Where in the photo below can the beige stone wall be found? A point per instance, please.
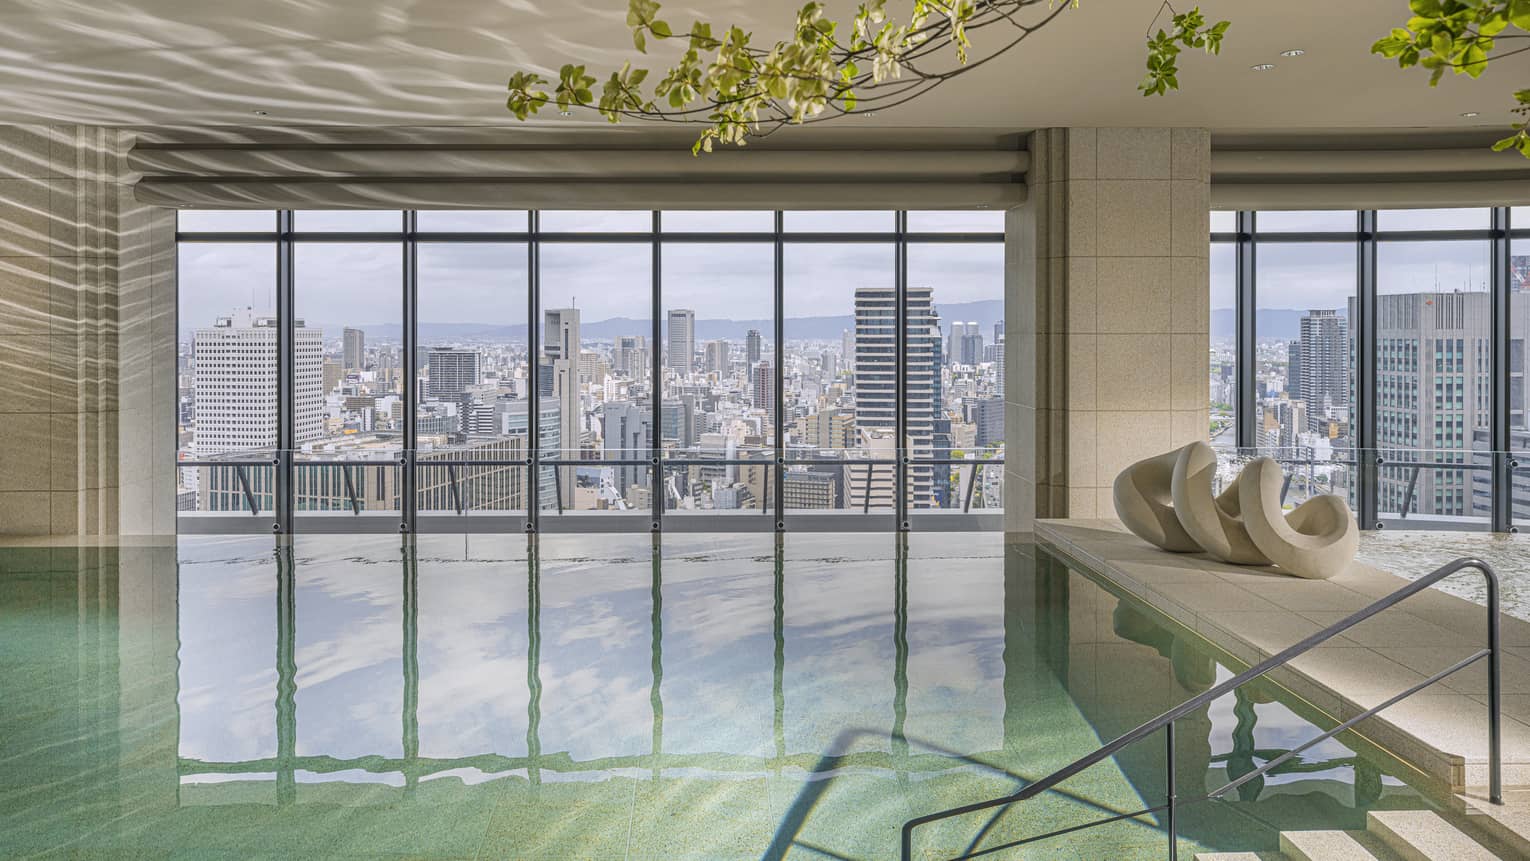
(1107, 288)
(68, 232)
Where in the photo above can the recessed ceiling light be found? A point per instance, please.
(1470, 114)
(565, 113)
(259, 113)
(1294, 52)
(1263, 67)
(868, 113)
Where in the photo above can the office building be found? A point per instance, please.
(680, 346)
(353, 349)
(452, 373)
(235, 384)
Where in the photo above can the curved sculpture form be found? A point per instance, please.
(1214, 522)
(1145, 504)
(1316, 540)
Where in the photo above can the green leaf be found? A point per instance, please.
(660, 29)
(1519, 13)
(1427, 8)
(1474, 62)
(1504, 144)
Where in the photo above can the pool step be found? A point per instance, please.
(1507, 823)
(1390, 835)
(1333, 846)
(1422, 835)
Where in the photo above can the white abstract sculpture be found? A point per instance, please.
(1316, 540)
(1144, 504)
(1215, 522)
(1167, 501)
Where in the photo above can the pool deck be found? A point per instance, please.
(1251, 613)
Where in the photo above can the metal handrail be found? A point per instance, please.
(1166, 720)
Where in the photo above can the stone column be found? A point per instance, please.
(67, 236)
(1107, 293)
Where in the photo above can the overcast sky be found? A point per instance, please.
(359, 284)
(1322, 275)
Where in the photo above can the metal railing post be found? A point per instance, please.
(1172, 826)
(1495, 695)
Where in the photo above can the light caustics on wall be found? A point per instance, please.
(352, 366)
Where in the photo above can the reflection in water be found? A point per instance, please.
(724, 696)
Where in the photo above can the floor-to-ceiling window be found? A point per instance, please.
(1377, 357)
(441, 370)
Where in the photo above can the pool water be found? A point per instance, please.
(724, 696)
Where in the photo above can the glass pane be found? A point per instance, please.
(226, 354)
(349, 220)
(597, 314)
(579, 221)
(717, 221)
(349, 365)
(1434, 219)
(841, 367)
(1276, 221)
(720, 488)
(850, 221)
(956, 221)
(470, 220)
(1519, 328)
(1433, 379)
(1223, 221)
(241, 220)
(1305, 372)
(955, 361)
(1224, 344)
(475, 379)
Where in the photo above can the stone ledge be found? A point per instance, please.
(1251, 613)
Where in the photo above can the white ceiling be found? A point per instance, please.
(444, 62)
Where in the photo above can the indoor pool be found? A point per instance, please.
(608, 697)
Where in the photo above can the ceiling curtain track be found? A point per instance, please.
(471, 171)
(1274, 179)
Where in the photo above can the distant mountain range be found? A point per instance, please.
(827, 328)
(1282, 323)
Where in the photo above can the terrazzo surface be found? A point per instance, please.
(709, 697)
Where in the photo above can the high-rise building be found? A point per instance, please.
(677, 421)
(628, 436)
(754, 347)
(234, 383)
(988, 417)
(1324, 365)
(811, 488)
(452, 373)
(560, 333)
(1432, 381)
(998, 360)
(717, 357)
(334, 372)
(762, 387)
(847, 349)
(965, 346)
(513, 415)
(680, 349)
(353, 349)
(876, 372)
(629, 356)
(559, 381)
(1294, 369)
